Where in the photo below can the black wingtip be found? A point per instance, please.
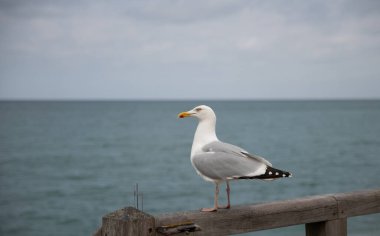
(270, 173)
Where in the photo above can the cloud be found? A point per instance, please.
(129, 43)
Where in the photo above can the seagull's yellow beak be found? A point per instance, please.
(184, 114)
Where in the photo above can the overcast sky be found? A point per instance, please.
(209, 49)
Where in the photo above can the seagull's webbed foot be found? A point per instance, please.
(212, 209)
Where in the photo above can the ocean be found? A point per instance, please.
(63, 165)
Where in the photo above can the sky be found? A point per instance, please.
(177, 49)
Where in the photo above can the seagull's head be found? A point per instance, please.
(201, 112)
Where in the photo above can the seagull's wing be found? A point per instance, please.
(218, 146)
(220, 161)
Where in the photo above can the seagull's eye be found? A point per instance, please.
(198, 109)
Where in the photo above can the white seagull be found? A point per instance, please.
(219, 162)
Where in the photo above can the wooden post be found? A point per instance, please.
(128, 222)
(327, 228)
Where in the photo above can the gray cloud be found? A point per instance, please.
(189, 49)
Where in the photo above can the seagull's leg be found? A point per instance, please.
(228, 197)
(215, 200)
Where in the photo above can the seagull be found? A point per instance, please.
(220, 162)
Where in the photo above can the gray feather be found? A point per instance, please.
(222, 161)
(218, 146)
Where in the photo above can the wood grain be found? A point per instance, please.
(248, 218)
(327, 228)
(324, 215)
(128, 221)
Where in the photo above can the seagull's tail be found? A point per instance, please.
(270, 174)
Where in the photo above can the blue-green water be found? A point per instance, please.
(63, 165)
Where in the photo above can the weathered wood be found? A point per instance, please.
(358, 203)
(186, 227)
(241, 219)
(248, 218)
(323, 215)
(128, 221)
(327, 228)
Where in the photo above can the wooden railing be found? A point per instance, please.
(323, 215)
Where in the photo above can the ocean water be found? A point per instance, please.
(63, 165)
